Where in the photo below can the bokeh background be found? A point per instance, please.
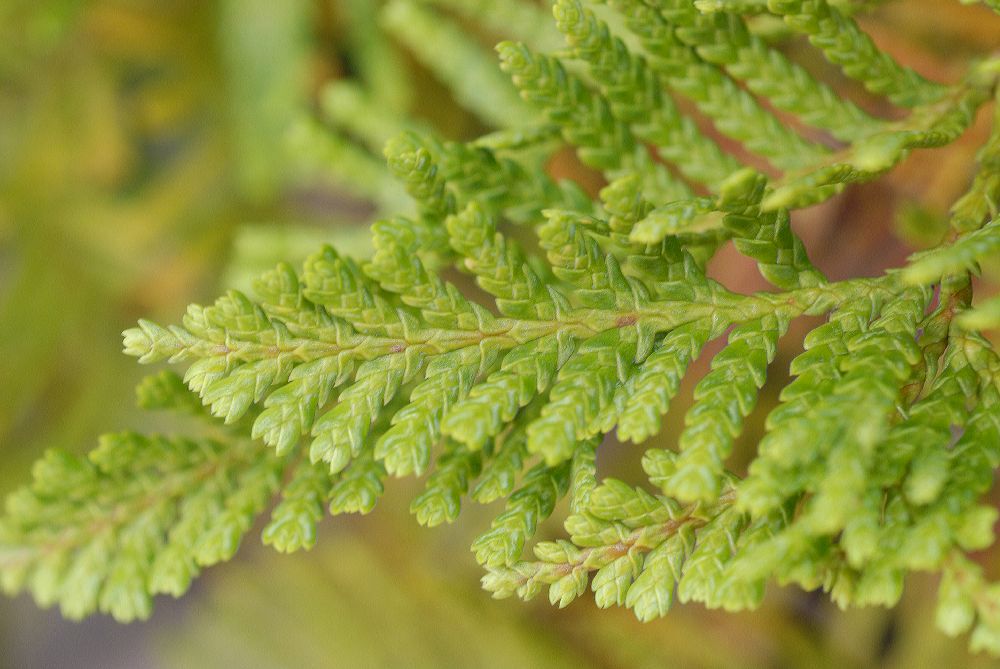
(153, 153)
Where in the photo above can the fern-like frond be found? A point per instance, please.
(589, 316)
(844, 44)
(138, 516)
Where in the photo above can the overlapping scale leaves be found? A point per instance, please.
(142, 515)
(586, 319)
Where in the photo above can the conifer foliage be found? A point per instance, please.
(342, 374)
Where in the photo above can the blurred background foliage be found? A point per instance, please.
(154, 152)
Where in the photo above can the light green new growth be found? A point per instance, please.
(588, 314)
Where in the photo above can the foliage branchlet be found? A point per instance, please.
(338, 376)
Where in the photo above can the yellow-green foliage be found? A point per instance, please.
(342, 374)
